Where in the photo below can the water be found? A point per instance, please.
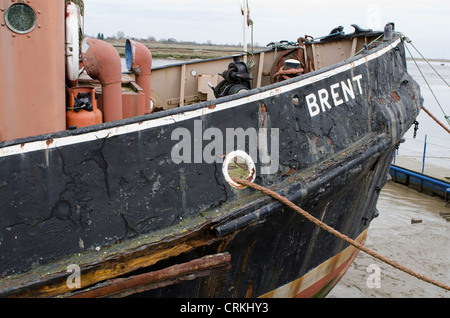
(423, 247)
(438, 140)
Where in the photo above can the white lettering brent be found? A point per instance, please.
(338, 92)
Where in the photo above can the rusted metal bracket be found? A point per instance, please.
(122, 287)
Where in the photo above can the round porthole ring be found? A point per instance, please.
(11, 27)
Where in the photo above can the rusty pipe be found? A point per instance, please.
(139, 61)
(102, 62)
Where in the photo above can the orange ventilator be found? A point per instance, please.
(78, 116)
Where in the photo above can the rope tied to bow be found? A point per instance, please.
(336, 233)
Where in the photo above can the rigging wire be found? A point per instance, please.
(421, 73)
(428, 143)
(425, 59)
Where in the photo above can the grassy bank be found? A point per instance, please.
(181, 51)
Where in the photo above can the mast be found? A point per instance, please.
(245, 11)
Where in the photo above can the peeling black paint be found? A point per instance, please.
(107, 190)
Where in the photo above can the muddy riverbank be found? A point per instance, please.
(423, 247)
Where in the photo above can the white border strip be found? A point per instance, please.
(125, 129)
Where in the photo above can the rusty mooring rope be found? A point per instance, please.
(435, 119)
(336, 233)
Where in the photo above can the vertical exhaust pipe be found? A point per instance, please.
(102, 62)
(139, 61)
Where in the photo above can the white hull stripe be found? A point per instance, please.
(152, 123)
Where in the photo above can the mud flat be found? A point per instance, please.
(437, 171)
(423, 247)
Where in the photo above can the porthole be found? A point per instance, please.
(20, 18)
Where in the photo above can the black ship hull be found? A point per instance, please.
(130, 196)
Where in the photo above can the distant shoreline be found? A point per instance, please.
(190, 51)
(429, 60)
(183, 51)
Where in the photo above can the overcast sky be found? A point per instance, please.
(426, 23)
